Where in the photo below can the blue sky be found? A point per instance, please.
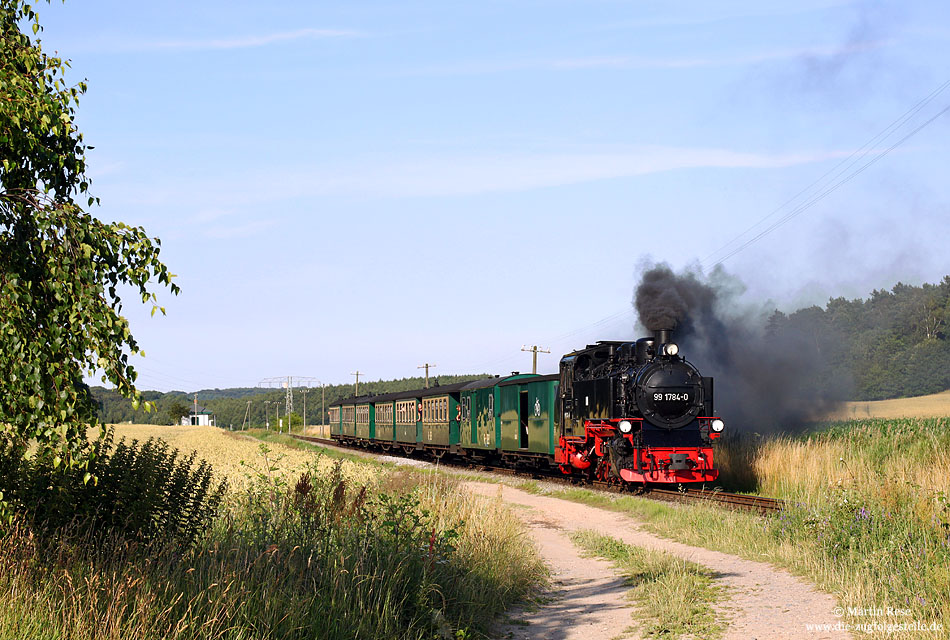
(375, 185)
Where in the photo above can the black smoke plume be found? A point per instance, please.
(772, 373)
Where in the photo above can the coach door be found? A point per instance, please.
(523, 413)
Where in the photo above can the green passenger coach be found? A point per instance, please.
(405, 420)
(479, 424)
(440, 417)
(383, 419)
(348, 420)
(510, 417)
(334, 421)
(364, 420)
(528, 414)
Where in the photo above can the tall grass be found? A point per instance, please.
(868, 513)
(322, 557)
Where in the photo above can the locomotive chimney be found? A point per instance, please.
(662, 336)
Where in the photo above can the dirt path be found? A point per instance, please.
(587, 600)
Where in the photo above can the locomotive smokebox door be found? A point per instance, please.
(669, 393)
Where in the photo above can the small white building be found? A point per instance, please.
(198, 416)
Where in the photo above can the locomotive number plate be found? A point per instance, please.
(671, 397)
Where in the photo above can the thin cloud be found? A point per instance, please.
(434, 176)
(645, 62)
(220, 44)
(507, 173)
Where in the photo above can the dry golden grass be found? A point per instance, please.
(936, 405)
(808, 469)
(237, 457)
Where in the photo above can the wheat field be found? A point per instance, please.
(239, 458)
(936, 405)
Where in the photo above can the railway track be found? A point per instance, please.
(745, 502)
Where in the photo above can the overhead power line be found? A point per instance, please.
(824, 194)
(820, 184)
(288, 383)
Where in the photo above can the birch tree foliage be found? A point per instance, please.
(60, 267)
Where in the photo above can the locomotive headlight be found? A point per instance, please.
(625, 426)
(670, 349)
(718, 425)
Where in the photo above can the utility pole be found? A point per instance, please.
(357, 374)
(323, 404)
(266, 420)
(277, 404)
(290, 396)
(534, 349)
(194, 416)
(304, 392)
(247, 415)
(426, 367)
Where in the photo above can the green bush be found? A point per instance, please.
(142, 491)
(321, 558)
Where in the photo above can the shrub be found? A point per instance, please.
(144, 491)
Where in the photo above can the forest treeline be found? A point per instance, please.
(893, 344)
(231, 405)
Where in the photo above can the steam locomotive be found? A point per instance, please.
(618, 412)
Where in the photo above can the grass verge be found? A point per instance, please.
(675, 597)
(335, 551)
